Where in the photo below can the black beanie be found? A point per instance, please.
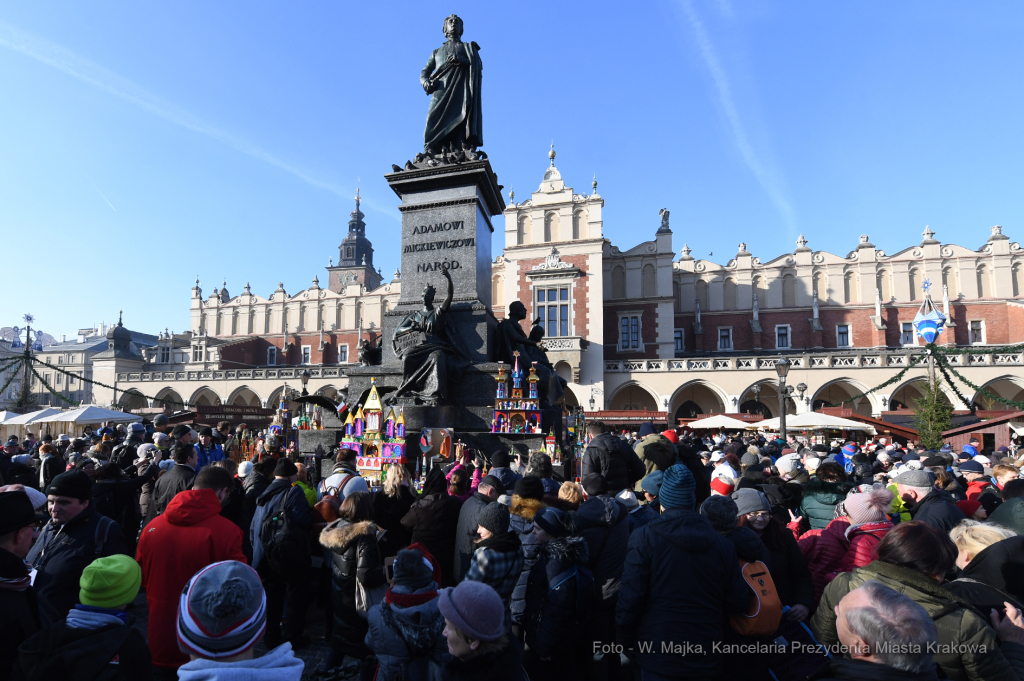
(179, 431)
(75, 484)
(285, 468)
(412, 570)
(494, 483)
(530, 487)
(594, 485)
(500, 459)
(494, 518)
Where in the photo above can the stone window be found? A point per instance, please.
(725, 338)
(907, 336)
(306, 354)
(271, 356)
(977, 332)
(165, 355)
(554, 310)
(679, 340)
(342, 354)
(782, 337)
(843, 336)
(629, 332)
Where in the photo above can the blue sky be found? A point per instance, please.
(146, 143)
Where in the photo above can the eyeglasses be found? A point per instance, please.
(759, 514)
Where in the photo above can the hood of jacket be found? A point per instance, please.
(1000, 565)
(279, 664)
(602, 510)
(567, 550)
(525, 508)
(338, 535)
(685, 529)
(748, 545)
(192, 506)
(826, 492)
(272, 490)
(254, 479)
(418, 625)
(435, 482)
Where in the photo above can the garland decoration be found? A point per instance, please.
(102, 385)
(51, 390)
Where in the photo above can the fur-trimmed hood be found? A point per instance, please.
(338, 535)
(568, 550)
(526, 508)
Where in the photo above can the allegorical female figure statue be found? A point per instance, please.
(421, 342)
(452, 78)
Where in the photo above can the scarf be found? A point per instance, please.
(88, 617)
(506, 542)
(15, 583)
(408, 600)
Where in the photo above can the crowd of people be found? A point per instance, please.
(673, 557)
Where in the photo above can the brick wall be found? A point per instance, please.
(253, 351)
(648, 330)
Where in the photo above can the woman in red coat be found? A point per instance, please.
(824, 551)
(868, 524)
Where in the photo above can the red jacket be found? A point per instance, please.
(189, 535)
(864, 540)
(976, 487)
(824, 551)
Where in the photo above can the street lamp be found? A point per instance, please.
(304, 377)
(782, 369)
(592, 402)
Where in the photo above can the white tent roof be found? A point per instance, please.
(5, 415)
(91, 414)
(31, 417)
(722, 421)
(816, 421)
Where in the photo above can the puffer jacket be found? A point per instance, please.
(1010, 514)
(654, 607)
(824, 551)
(611, 457)
(521, 522)
(407, 641)
(604, 523)
(960, 628)
(254, 485)
(656, 453)
(556, 610)
(354, 555)
(864, 541)
(819, 503)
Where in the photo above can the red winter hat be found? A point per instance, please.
(969, 507)
(671, 435)
(722, 486)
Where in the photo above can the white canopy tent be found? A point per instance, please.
(20, 422)
(815, 421)
(90, 415)
(721, 421)
(6, 415)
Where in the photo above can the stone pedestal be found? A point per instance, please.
(446, 219)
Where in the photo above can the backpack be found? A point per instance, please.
(283, 543)
(585, 590)
(124, 457)
(765, 612)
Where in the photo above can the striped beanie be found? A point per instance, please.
(222, 611)
(677, 488)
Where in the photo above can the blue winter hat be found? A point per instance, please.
(646, 429)
(850, 449)
(677, 488)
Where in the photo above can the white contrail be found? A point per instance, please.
(765, 176)
(103, 195)
(97, 76)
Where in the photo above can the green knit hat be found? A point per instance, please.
(110, 582)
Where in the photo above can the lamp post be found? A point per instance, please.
(782, 369)
(304, 377)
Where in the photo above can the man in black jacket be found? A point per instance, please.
(603, 523)
(75, 536)
(17, 597)
(612, 458)
(489, 489)
(925, 502)
(178, 479)
(681, 579)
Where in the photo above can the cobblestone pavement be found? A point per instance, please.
(313, 654)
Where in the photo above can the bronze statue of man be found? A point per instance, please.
(421, 341)
(452, 77)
